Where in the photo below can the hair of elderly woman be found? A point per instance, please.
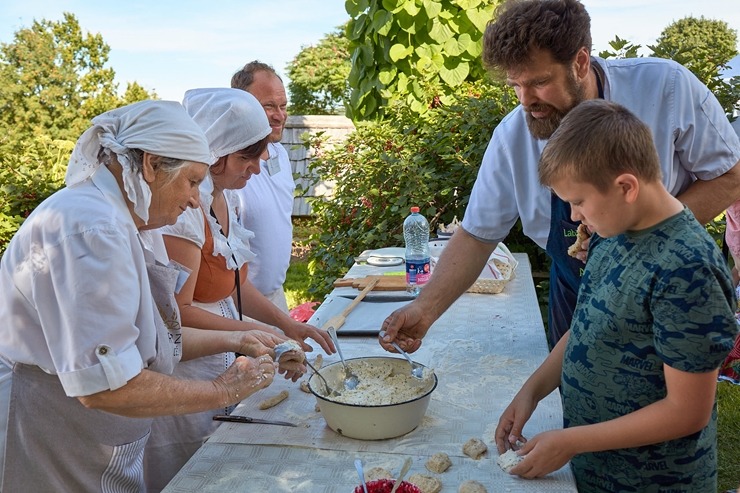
(520, 27)
(170, 166)
(596, 142)
(244, 77)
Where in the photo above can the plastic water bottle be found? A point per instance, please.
(416, 235)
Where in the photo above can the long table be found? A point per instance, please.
(482, 349)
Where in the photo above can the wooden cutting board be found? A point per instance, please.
(385, 283)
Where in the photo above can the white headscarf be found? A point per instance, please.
(232, 119)
(162, 128)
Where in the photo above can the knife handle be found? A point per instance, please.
(232, 418)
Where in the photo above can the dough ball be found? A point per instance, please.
(304, 386)
(471, 486)
(582, 234)
(439, 463)
(475, 448)
(377, 473)
(508, 460)
(427, 484)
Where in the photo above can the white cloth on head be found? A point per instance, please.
(231, 118)
(162, 128)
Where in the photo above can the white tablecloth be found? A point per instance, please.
(482, 349)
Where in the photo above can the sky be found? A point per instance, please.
(170, 46)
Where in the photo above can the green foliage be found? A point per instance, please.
(29, 175)
(318, 77)
(704, 46)
(385, 167)
(413, 53)
(53, 81)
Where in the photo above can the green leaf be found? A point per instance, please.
(468, 4)
(407, 22)
(382, 22)
(480, 17)
(393, 5)
(355, 7)
(411, 7)
(455, 75)
(386, 76)
(432, 8)
(357, 27)
(399, 51)
(440, 32)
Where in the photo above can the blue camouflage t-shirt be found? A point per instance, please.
(653, 297)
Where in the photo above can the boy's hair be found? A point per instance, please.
(244, 77)
(596, 142)
(519, 27)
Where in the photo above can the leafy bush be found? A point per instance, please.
(385, 167)
(30, 171)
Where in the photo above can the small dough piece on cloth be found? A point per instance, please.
(377, 473)
(475, 448)
(427, 484)
(508, 460)
(274, 400)
(439, 463)
(471, 486)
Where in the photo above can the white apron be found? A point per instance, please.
(54, 443)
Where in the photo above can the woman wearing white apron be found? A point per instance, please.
(211, 243)
(90, 326)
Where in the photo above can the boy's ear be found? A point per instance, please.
(629, 185)
(147, 168)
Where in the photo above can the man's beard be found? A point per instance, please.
(543, 128)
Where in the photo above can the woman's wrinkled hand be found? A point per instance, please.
(245, 377)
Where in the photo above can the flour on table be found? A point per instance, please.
(471, 486)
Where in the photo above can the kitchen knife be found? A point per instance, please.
(246, 419)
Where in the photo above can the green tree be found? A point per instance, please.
(318, 76)
(53, 80)
(413, 53)
(704, 46)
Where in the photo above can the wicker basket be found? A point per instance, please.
(494, 286)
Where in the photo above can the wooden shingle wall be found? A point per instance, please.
(334, 128)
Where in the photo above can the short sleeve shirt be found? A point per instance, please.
(692, 136)
(654, 297)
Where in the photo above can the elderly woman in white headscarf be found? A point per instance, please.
(90, 330)
(211, 243)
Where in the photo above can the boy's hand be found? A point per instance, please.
(544, 453)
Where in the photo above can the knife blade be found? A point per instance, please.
(246, 419)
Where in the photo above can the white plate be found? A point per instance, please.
(384, 261)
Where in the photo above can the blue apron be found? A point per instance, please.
(565, 271)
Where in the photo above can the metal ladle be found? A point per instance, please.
(350, 379)
(417, 370)
(329, 391)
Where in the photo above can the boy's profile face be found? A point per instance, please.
(603, 212)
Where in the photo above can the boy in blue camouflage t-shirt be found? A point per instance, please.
(654, 321)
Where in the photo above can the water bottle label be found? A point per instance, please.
(418, 271)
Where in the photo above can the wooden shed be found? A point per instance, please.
(334, 128)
